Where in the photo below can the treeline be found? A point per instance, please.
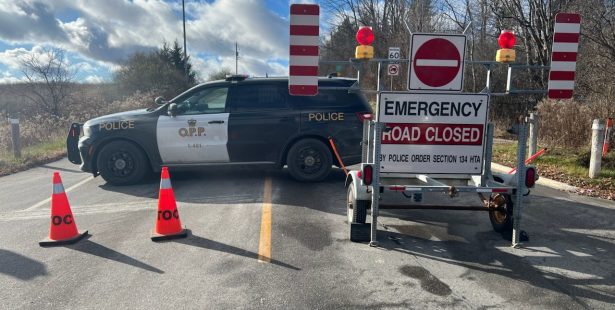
(49, 99)
(483, 20)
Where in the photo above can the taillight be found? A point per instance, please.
(362, 116)
(368, 173)
(530, 177)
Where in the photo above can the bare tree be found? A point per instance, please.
(49, 78)
(219, 75)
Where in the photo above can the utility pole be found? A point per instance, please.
(236, 58)
(185, 53)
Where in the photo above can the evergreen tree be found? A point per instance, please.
(161, 71)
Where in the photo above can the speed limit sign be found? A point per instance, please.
(394, 53)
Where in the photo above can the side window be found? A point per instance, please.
(257, 97)
(205, 101)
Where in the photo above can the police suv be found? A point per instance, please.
(234, 121)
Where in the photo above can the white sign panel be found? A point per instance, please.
(436, 62)
(393, 69)
(394, 53)
(440, 133)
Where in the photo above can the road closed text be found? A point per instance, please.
(434, 134)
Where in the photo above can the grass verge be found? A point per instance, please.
(32, 156)
(566, 165)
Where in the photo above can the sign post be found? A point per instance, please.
(393, 67)
(304, 52)
(566, 34)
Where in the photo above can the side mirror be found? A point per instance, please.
(160, 100)
(172, 109)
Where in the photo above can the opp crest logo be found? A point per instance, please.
(192, 130)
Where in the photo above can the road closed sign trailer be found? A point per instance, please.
(434, 133)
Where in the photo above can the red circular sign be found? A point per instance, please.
(437, 62)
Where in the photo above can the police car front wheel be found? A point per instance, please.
(309, 160)
(122, 163)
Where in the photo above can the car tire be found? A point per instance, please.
(500, 220)
(122, 163)
(309, 160)
(356, 209)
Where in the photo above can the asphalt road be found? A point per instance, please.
(426, 259)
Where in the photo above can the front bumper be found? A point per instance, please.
(86, 152)
(79, 150)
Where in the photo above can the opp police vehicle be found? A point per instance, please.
(239, 120)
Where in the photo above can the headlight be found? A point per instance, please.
(87, 130)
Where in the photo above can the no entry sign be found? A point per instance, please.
(439, 133)
(436, 62)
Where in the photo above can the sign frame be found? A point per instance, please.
(424, 120)
(415, 84)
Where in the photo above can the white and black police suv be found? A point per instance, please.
(234, 121)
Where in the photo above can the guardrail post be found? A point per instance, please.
(595, 160)
(520, 184)
(533, 120)
(15, 137)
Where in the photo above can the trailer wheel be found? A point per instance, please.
(356, 209)
(502, 221)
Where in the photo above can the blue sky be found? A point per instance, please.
(99, 34)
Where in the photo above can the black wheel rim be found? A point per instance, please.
(121, 163)
(350, 207)
(499, 216)
(309, 161)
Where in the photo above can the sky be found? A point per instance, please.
(98, 35)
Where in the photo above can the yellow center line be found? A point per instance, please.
(264, 245)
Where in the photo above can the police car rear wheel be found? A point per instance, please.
(121, 163)
(309, 160)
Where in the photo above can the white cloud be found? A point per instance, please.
(12, 58)
(107, 32)
(8, 78)
(93, 79)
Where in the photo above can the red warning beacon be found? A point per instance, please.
(507, 42)
(365, 37)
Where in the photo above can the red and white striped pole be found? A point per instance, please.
(566, 33)
(304, 42)
(607, 136)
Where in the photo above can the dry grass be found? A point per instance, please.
(43, 136)
(568, 123)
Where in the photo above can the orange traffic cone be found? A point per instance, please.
(168, 224)
(63, 229)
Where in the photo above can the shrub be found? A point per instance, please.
(568, 123)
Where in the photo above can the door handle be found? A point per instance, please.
(216, 122)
